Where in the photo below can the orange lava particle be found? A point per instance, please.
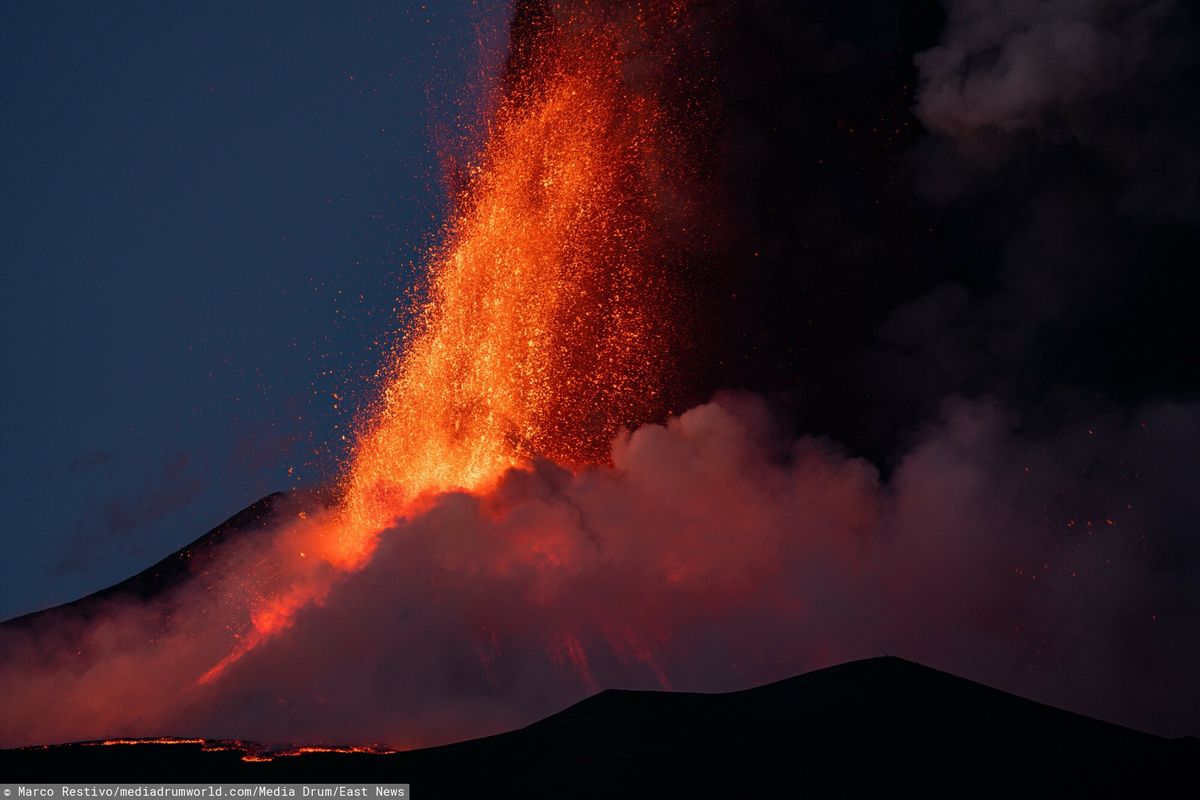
(547, 321)
(545, 328)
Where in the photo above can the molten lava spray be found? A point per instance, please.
(548, 319)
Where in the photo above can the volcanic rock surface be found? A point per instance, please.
(879, 724)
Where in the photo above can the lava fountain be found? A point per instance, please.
(550, 316)
(548, 319)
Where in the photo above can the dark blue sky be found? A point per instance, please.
(209, 213)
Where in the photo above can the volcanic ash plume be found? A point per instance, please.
(712, 555)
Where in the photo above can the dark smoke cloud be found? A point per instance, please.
(713, 555)
(990, 198)
(1013, 66)
(90, 460)
(119, 524)
(1063, 163)
(1110, 80)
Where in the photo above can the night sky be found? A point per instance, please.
(209, 212)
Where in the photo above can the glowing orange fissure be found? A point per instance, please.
(544, 328)
(250, 752)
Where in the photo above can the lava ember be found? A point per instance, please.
(547, 323)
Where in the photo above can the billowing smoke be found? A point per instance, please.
(712, 555)
(1105, 79)
(1015, 65)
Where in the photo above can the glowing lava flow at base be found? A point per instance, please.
(250, 752)
(547, 320)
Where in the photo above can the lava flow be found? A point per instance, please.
(250, 751)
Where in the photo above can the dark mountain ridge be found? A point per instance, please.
(155, 583)
(874, 725)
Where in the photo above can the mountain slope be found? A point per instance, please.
(154, 583)
(879, 724)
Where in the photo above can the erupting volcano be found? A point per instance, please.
(680, 229)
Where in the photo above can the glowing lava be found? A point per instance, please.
(547, 320)
(546, 323)
(251, 752)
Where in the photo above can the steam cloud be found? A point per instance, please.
(714, 554)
